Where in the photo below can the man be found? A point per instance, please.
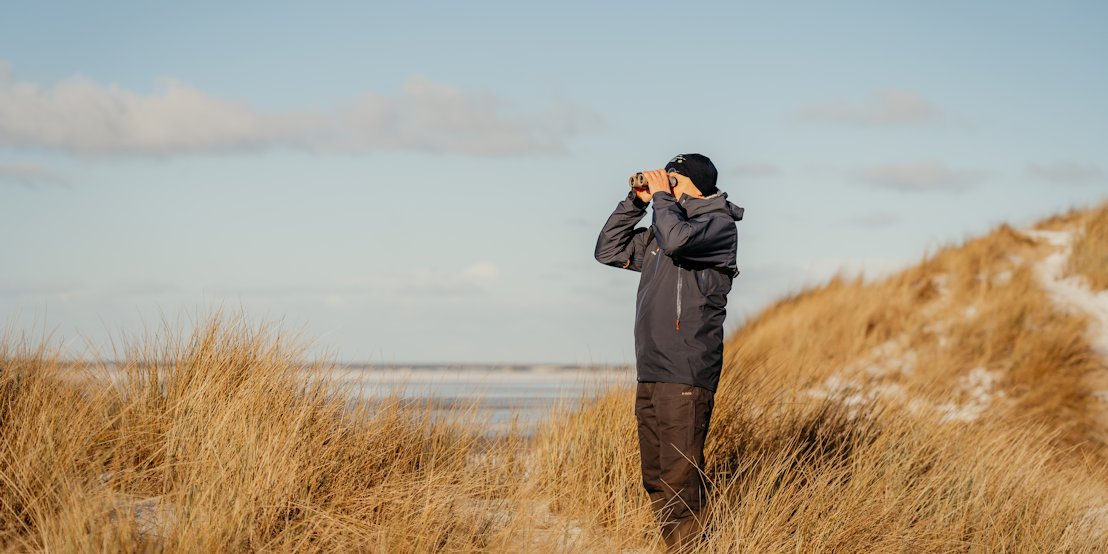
(686, 258)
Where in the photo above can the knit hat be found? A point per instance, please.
(698, 168)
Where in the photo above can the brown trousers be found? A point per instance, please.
(673, 424)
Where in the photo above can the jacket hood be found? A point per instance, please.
(715, 202)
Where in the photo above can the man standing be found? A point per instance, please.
(686, 258)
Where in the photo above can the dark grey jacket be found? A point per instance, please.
(687, 260)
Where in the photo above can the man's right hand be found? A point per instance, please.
(643, 195)
(658, 181)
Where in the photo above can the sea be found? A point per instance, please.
(527, 394)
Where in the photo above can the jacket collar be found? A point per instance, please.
(714, 202)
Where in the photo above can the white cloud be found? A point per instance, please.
(1067, 173)
(78, 115)
(889, 107)
(920, 176)
(30, 175)
(432, 117)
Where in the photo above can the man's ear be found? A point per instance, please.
(681, 179)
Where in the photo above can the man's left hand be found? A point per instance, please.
(657, 180)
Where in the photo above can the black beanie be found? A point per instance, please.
(698, 168)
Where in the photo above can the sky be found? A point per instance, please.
(425, 182)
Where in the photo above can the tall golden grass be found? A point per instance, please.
(941, 409)
(1090, 250)
(239, 452)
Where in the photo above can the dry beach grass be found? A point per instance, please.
(240, 453)
(952, 407)
(1090, 250)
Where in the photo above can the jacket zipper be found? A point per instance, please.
(678, 322)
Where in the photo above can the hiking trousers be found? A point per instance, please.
(673, 424)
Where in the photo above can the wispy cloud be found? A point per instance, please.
(30, 175)
(69, 291)
(920, 176)
(78, 115)
(472, 280)
(1067, 173)
(889, 107)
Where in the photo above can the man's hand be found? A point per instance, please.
(657, 180)
(643, 195)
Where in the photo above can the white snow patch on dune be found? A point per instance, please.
(1072, 292)
(979, 385)
(889, 357)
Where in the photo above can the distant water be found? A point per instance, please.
(528, 391)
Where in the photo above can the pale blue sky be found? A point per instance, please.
(425, 182)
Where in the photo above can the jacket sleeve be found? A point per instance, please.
(700, 239)
(620, 244)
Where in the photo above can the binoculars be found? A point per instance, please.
(638, 182)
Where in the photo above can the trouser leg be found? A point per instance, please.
(683, 413)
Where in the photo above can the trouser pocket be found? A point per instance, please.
(705, 402)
